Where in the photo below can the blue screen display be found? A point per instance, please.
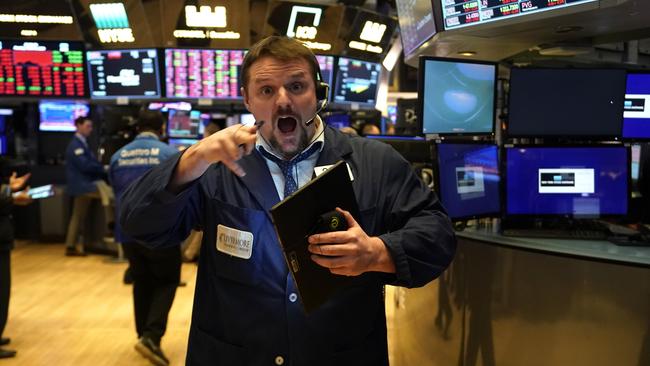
(457, 97)
(576, 181)
(636, 110)
(469, 179)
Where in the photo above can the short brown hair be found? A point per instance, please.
(80, 120)
(282, 48)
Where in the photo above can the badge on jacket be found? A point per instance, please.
(78, 151)
(234, 242)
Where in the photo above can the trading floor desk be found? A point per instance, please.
(527, 302)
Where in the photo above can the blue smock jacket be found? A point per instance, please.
(130, 162)
(81, 168)
(245, 310)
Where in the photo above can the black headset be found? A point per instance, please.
(322, 88)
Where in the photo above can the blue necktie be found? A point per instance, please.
(286, 166)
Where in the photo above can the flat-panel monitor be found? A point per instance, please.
(203, 73)
(42, 69)
(59, 116)
(636, 108)
(183, 124)
(123, 73)
(326, 64)
(356, 82)
(337, 120)
(566, 103)
(416, 23)
(182, 144)
(463, 13)
(576, 181)
(457, 96)
(415, 149)
(468, 179)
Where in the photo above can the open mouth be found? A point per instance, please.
(287, 124)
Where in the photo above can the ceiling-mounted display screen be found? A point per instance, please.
(461, 13)
(123, 73)
(416, 23)
(356, 81)
(42, 69)
(193, 73)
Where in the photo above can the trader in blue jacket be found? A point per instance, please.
(246, 308)
(156, 273)
(84, 182)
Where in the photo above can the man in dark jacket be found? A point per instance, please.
(245, 308)
(156, 273)
(7, 200)
(84, 178)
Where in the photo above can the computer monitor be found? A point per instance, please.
(183, 124)
(123, 73)
(59, 116)
(415, 149)
(42, 69)
(576, 181)
(166, 106)
(356, 82)
(559, 103)
(202, 73)
(337, 120)
(457, 97)
(326, 64)
(468, 179)
(182, 144)
(636, 110)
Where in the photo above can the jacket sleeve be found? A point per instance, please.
(151, 214)
(420, 236)
(84, 162)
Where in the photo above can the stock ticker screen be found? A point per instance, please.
(193, 73)
(42, 69)
(129, 73)
(356, 81)
(460, 13)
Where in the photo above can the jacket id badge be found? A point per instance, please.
(234, 242)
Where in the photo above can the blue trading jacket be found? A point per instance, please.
(130, 162)
(246, 310)
(81, 168)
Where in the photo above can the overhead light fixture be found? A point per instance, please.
(467, 53)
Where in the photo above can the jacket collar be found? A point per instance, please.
(258, 180)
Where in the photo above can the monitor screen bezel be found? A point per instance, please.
(159, 76)
(586, 135)
(633, 139)
(420, 106)
(335, 83)
(504, 179)
(437, 178)
(27, 97)
(163, 62)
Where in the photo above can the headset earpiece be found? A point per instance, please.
(322, 91)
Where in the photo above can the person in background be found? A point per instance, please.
(349, 131)
(370, 129)
(84, 178)
(7, 199)
(246, 309)
(155, 273)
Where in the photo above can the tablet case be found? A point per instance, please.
(297, 217)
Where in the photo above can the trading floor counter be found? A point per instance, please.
(524, 301)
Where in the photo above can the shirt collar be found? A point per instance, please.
(147, 135)
(81, 137)
(320, 128)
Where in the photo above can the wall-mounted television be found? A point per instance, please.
(356, 82)
(59, 116)
(123, 73)
(183, 124)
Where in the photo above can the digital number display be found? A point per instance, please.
(42, 69)
(459, 13)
